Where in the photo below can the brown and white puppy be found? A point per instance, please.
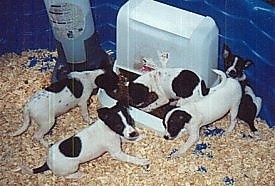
(250, 105)
(58, 98)
(189, 117)
(167, 83)
(105, 135)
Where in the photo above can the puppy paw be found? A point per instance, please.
(173, 103)
(87, 120)
(26, 170)
(12, 134)
(45, 143)
(146, 167)
(258, 135)
(227, 133)
(140, 137)
(17, 169)
(146, 109)
(145, 162)
(75, 176)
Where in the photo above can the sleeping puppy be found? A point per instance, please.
(193, 115)
(167, 83)
(58, 98)
(105, 135)
(250, 105)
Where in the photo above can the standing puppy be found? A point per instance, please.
(167, 83)
(191, 116)
(250, 105)
(102, 136)
(75, 90)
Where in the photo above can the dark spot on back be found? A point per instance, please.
(71, 147)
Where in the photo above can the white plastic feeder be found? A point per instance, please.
(151, 32)
(153, 35)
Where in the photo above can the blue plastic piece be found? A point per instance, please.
(33, 62)
(199, 149)
(202, 169)
(247, 26)
(228, 181)
(213, 132)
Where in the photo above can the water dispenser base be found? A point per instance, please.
(96, 56)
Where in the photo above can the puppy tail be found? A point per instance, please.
(27, 170)
(223, 79)
(26, 124)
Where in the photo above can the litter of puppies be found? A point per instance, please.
(235, 159)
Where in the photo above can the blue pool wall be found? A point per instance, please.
(247, 26)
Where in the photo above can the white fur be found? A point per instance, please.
(208, 109)
(44, 106)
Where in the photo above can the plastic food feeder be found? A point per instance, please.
(146, 42)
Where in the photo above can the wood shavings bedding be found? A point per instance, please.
(237, 159)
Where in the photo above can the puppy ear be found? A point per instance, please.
(248, 63)
(103, 113)
(122, 103)
(185, 117)
(226, 51)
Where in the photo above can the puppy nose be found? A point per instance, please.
(166, 137)
(133, 134)
(232, 73)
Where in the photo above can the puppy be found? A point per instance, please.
(167, 83)
(102, 136)
(58, 98)
(193, 115)
(250, 105)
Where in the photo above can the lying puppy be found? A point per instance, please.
(193, 115)
(75, 90)
(167, 83)
(102, 136)
(250, 105)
